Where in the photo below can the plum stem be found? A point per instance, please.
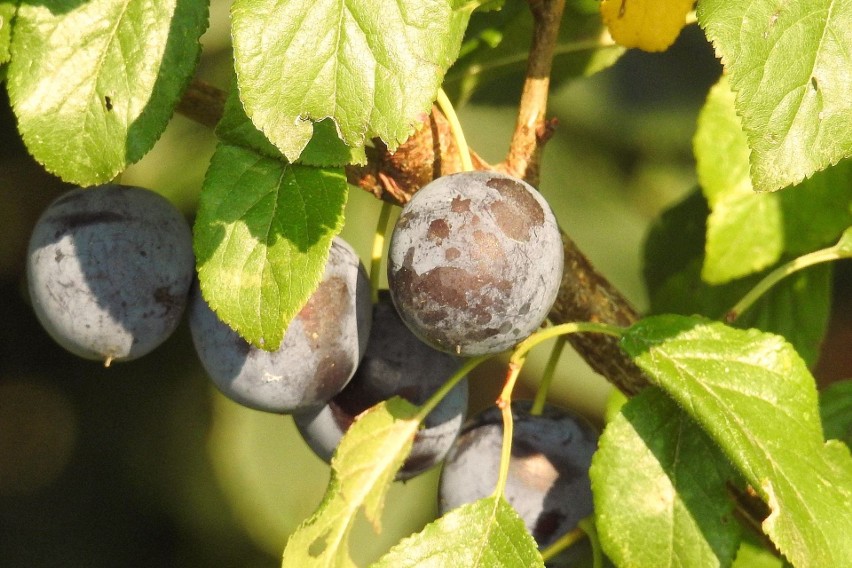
(565, 541)
(448, 385)
(456, 128)
(378, 250)
(563, 329)
(547, 377)
(504, 403)
(834, 252)
(588, 526)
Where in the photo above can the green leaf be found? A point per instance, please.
(7, 12)
(789, 64)
(236, 129)
(753, 554)
(835, 407)
(798, 308)
(262, 235)
(324, 149)
(372, 66)
(93, 84)
(484, 534)
(753, 395)
(363, 468)
(660, 489)
(497, 45)
(747, 231)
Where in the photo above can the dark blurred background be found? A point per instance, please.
(145, 464)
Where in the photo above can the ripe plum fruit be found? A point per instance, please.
(475, 262)
(396, 363)
(109, 269)
(548, 482)
(319, 354)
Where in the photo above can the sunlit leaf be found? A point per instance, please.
(363, 468)
(487, 533)
(374, 67)
(89, 99)
(797, 308)
(789, 64)
(845, 242)
(262, 235)
(660, 489)
(324, 149)
(753, 395)
(748, 231)
(7, 12)
(753, 554)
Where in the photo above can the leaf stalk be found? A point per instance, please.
(829, 254)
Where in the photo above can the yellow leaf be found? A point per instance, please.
(651, 25)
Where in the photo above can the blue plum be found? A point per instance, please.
(319, 354)
(396, 364)
(548, 482)
(475, 262)
(109, 270)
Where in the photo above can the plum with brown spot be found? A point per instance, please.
(109, 270)
(396, 364)
(548, 481)
(319, 354)
(475, 262)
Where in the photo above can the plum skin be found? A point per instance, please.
(109, 269)
(396, 363)
(475, 262)
(320, 351)
(548, 482)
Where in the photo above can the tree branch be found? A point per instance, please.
(586, 295)
(203, 103)
(531, 128)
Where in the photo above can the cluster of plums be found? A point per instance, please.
(474, 266)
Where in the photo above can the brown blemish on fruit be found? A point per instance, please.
(534, 468)
(487, 253)
(487, 246)
(439, 230)
(333, 371)
(460, 205)
(518, 212)
(408, 261)
(452, 253)
(437, 293)
(331, 297)
(406, 219)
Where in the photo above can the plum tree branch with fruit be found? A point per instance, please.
(285, 319)
(585, 294)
